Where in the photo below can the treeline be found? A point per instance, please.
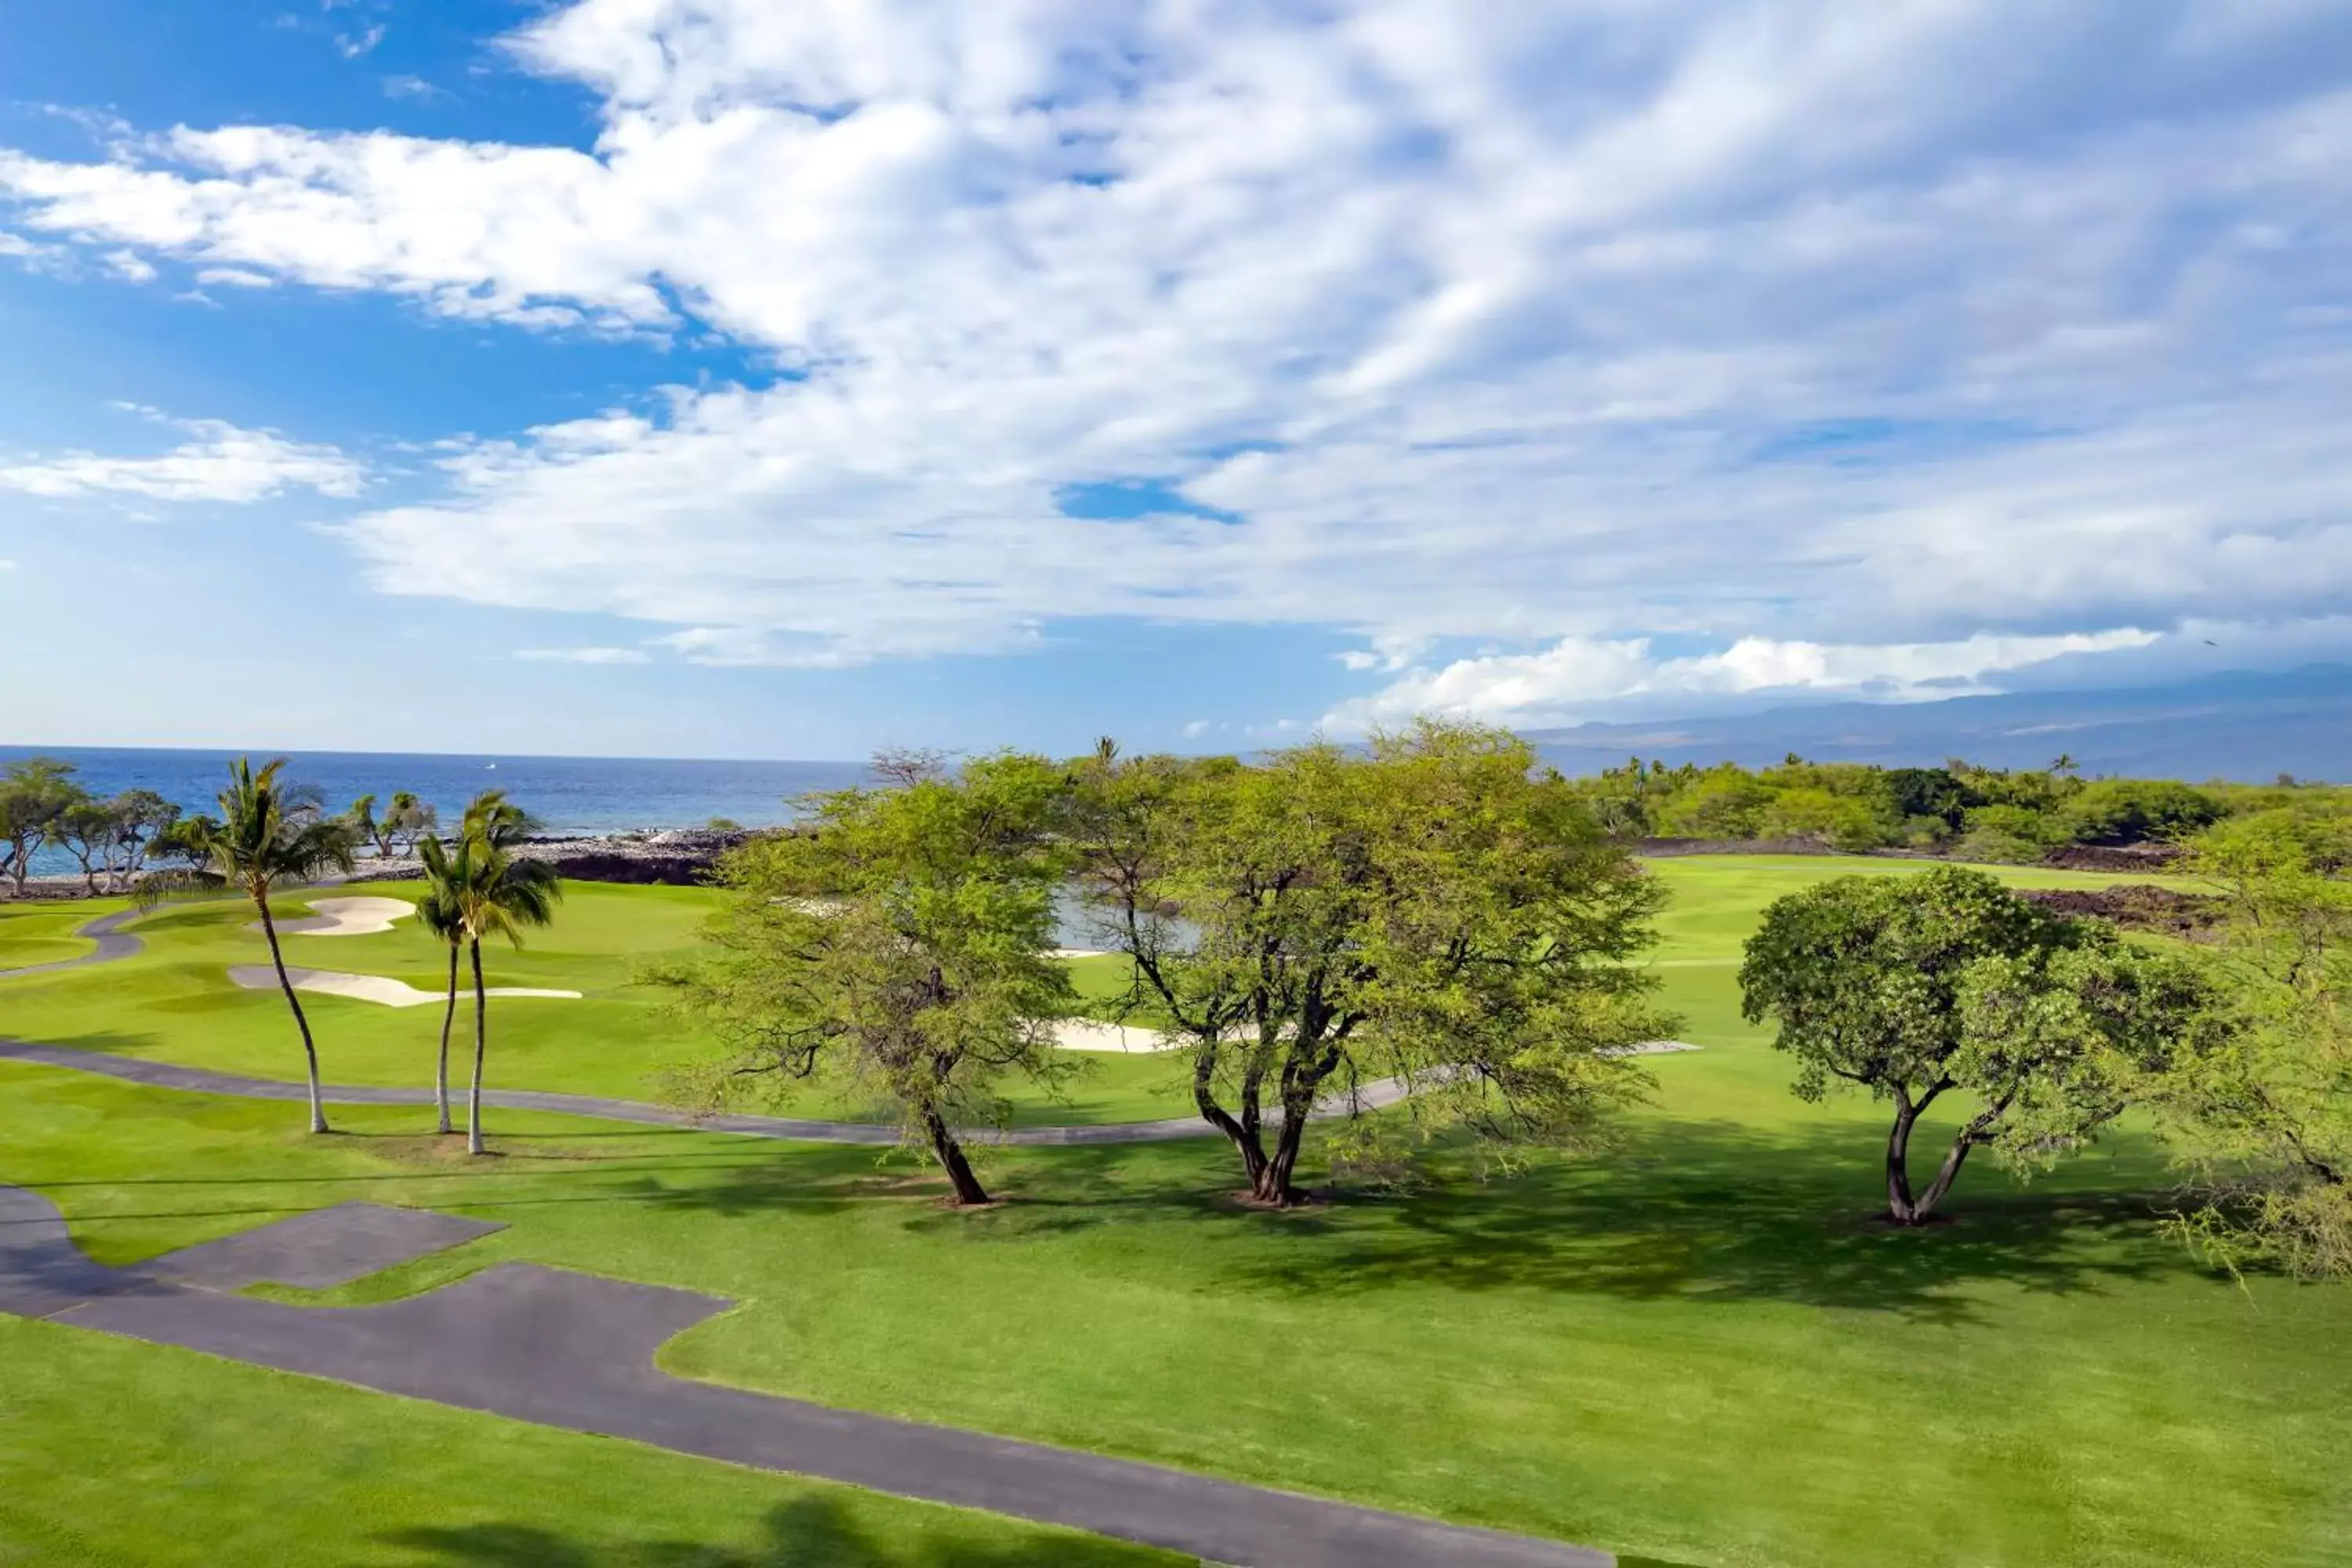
(1967, 812)
(113, 839)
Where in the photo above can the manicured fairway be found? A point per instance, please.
(174, 1002)
(44, 933)
(1696, 1348)
(123, 1453)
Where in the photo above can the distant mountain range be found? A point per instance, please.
(2241, 725)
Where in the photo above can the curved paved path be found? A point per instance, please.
(115, 944)
(1374, 1096)
(106, 931)
(575, 1351)
(204, 1081)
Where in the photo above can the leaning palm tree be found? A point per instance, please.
(496, 894)
(267, 837)
(441, 912)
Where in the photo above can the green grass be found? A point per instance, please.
(174, 1002)
(121, 1453)
(44, 933)
(1696, 1347)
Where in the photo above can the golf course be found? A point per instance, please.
(1690, 1347)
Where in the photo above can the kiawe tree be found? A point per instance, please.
(35, 793)
(1432, 910)
(269, 837)
(2264, 1120)
(1945, 983)
(900, 947)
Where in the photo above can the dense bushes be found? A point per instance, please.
(1977, 814)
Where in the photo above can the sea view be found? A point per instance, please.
(565, 795)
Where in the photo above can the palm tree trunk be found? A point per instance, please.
(481, 1042)
(441, 1067)
(286, 983)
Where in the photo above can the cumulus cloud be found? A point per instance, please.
(1822, 343)
(218, 462)
(1566, 680)
(584, 656)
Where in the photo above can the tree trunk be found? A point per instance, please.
(1243, 1134)
(286, 983)
(441, 1067)
(481, 1043)
(1273, 1184)
(1899, 1205)
(950, 1156)
(1946, 1174)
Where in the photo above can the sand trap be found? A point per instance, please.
(370, 987)
(346, 917)
(1076, 953)
(1086, 1035)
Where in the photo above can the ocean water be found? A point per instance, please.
(565, 795)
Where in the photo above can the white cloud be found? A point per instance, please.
(583, 654)
(1565, 681)
(234, 277)
(219, 463)
(1197, 727)
(1822, 337)
(131, 267)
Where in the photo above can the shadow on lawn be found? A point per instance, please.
(1712, 1212)
(814, 1532)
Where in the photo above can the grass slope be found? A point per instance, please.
(44, 933)
(1696, 1348)
(206, 1462)
(174, 1002)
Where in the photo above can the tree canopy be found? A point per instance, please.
(898, 948)
(1434, 912)
(1944, 983)
(2265, 1118)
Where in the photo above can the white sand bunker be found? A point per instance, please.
(374, 988)
(347, 916)
(1086, 1035)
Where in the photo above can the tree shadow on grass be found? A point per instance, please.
(812, 1532)
(1713, 1212)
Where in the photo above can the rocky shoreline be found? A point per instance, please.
(676, 857)
(673, 856)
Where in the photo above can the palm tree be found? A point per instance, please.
(268, 836)
(494, 894)
(439, 911)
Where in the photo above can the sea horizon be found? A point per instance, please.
(564, 795)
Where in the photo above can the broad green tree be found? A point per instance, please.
(899, 948)
(1945, 983)
(84, 829)
(270, 836)
(408, 822)
(140, 819)
(2264, 1121)
(1434, 914)
(35, 793)
(491, 891)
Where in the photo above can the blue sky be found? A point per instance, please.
(721, 377)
